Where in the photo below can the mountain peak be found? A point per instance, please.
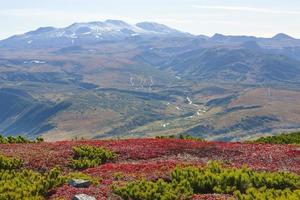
(218, 36)
(282, 36)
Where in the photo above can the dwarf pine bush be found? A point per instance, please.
(181, 136)
(9, 163)
(291, 138)
(89, 156)
(18, 183)
(27, 184)
(244, 183)
(18, 140)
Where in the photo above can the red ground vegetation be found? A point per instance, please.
(152, 159)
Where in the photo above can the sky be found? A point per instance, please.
(263, 18)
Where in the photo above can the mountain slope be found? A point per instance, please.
(236, 65)
(21, 114)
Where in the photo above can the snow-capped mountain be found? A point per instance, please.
(85, 33)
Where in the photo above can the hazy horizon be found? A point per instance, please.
(264, 18)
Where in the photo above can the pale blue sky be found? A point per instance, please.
(231, 17)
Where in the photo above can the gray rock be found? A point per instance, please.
(79, 183)
(83, 197)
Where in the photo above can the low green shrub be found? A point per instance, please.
(268, 194)
(18, 140)
(291, 138)
(89, 156)
(9, 163)
(39, 139)
(18, 183)
(181, 136)
(166, 137)
(27, 184)
(244, 183)
(159, 190)
(189, 137)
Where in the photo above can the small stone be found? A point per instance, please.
(83, 197)
(79, 183)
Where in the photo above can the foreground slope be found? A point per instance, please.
(150, 159)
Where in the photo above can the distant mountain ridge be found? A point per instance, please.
(88, 33)
(116, 30)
